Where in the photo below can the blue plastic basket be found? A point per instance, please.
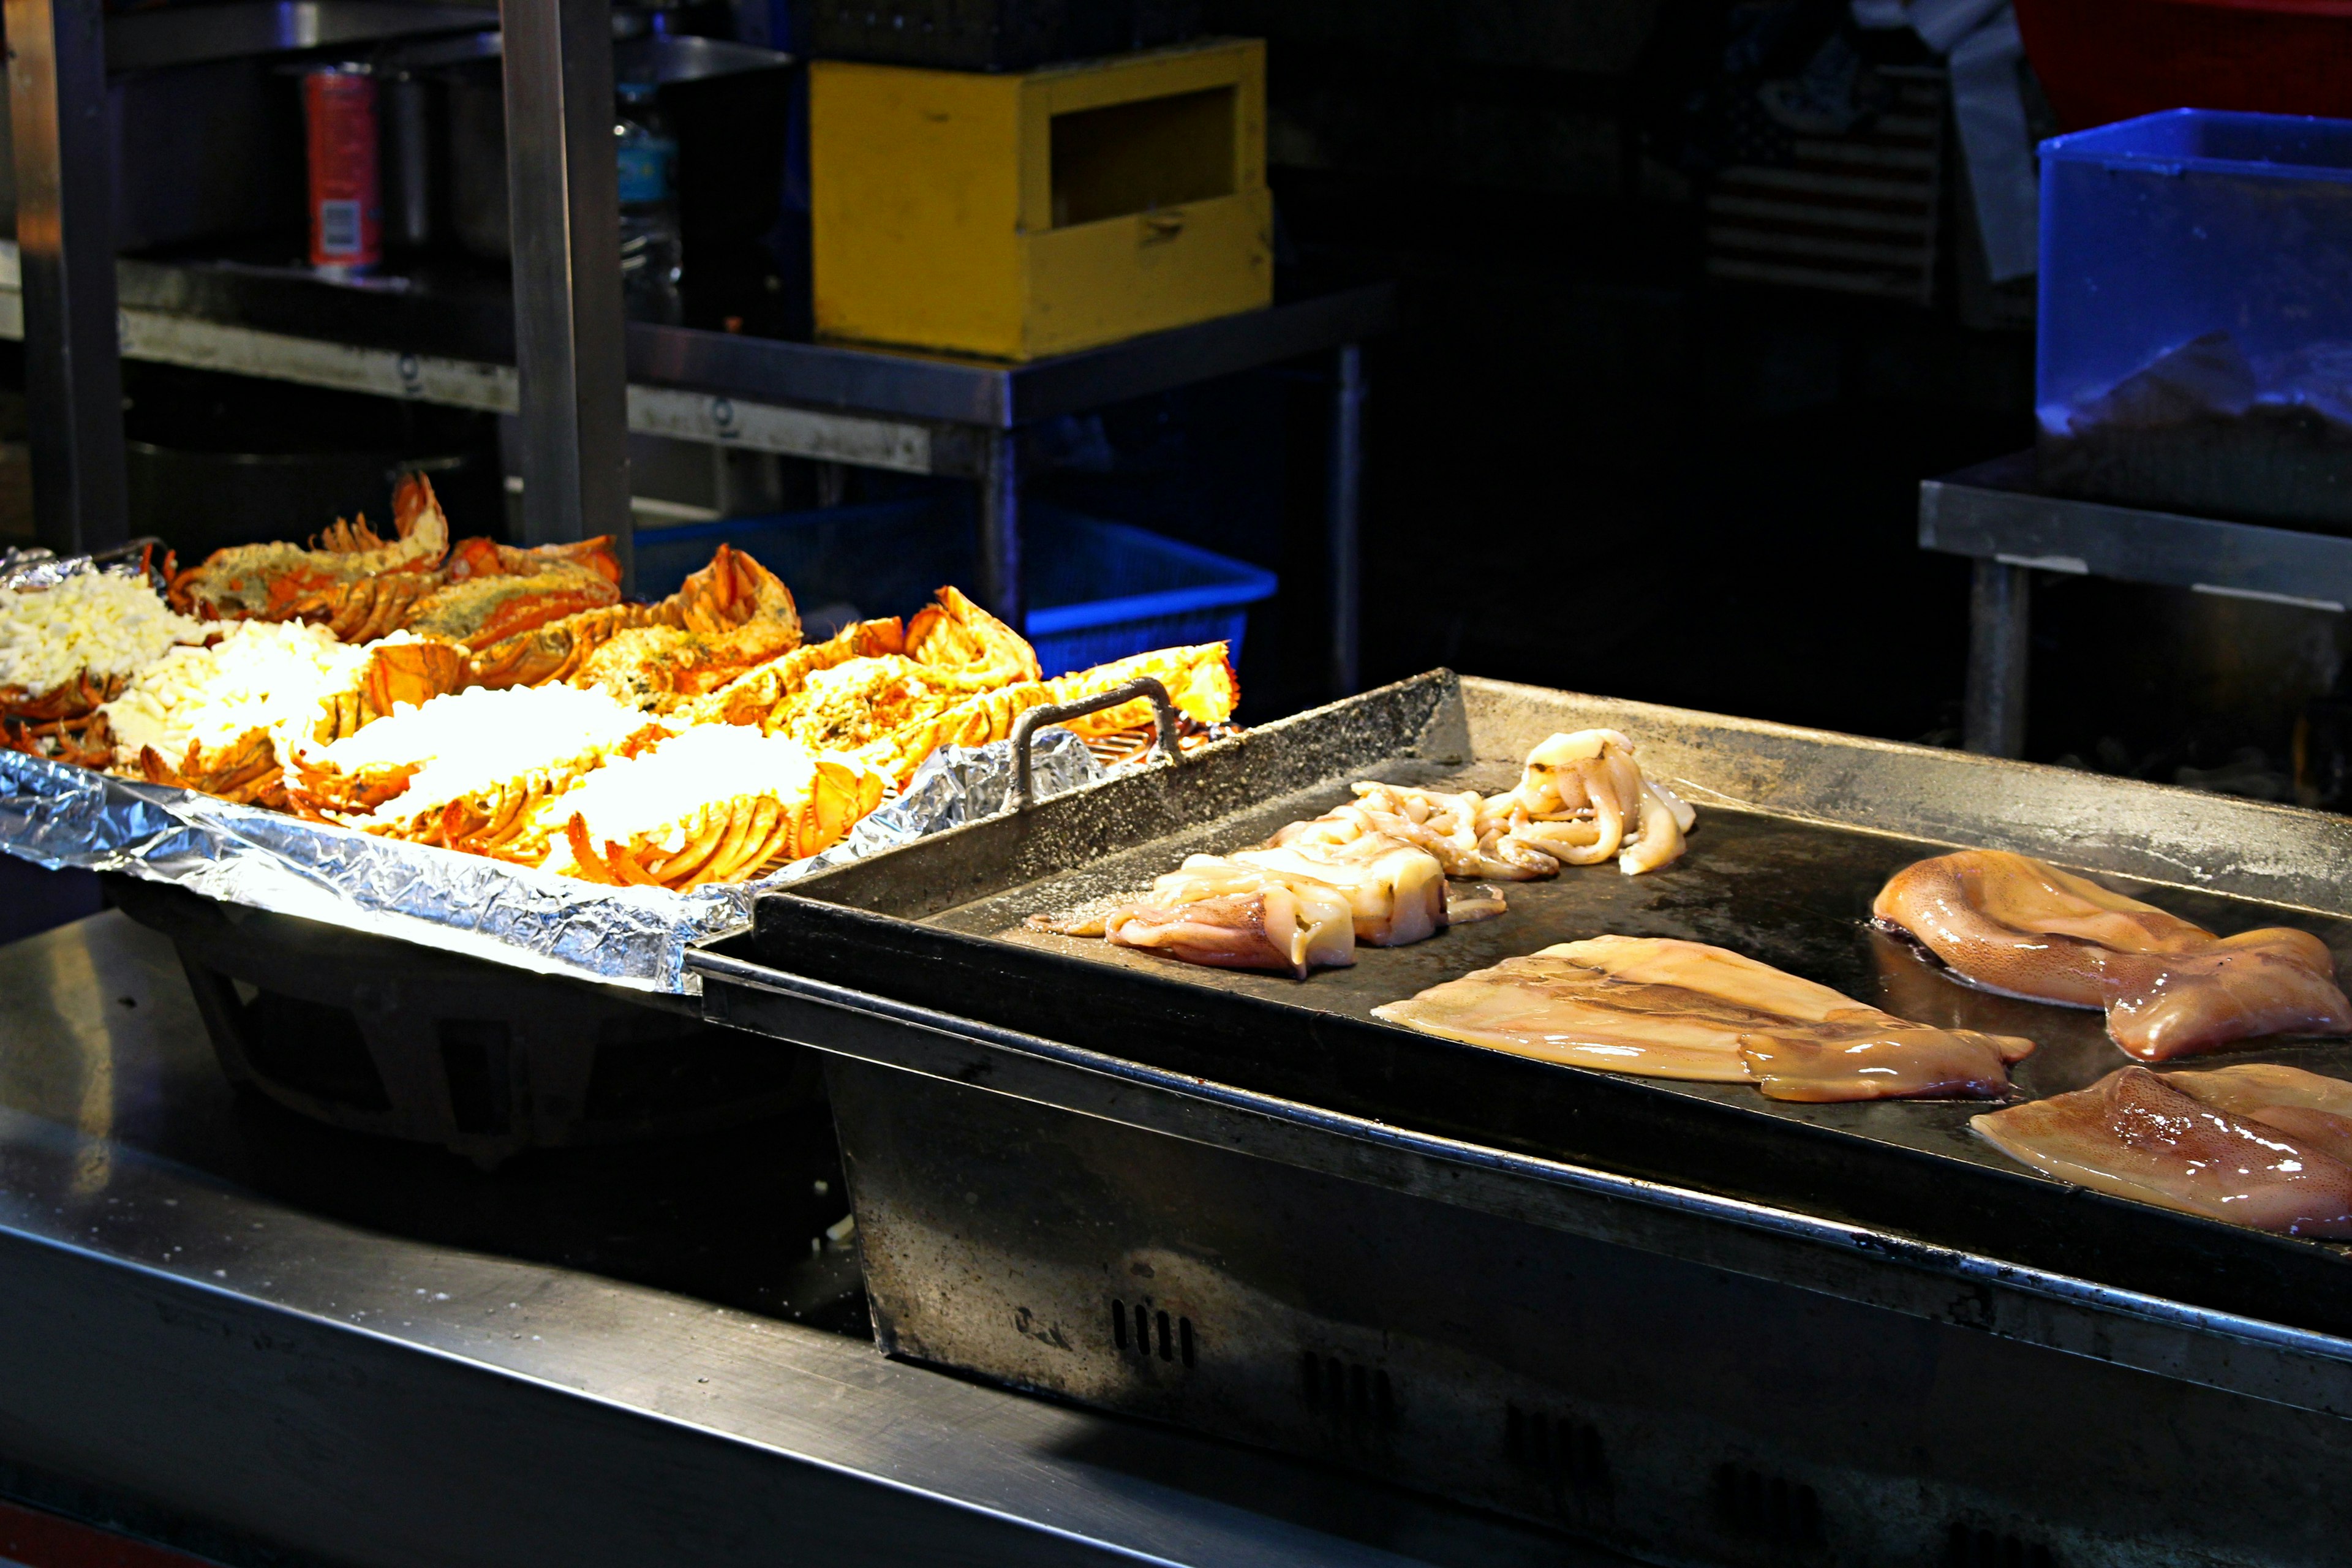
(1098, 591)
(2196, 314)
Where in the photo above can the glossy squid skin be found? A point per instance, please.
(2013, 924)
(1663, 1008)
(2307, 1106)
(2134, 1134)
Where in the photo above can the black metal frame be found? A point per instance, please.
(1997, 514)
(65, 245)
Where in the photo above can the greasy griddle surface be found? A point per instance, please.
(1793, 894)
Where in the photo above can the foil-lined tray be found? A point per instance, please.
(57, 815)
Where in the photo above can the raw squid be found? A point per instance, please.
(2134, 1134)
(1389, 852)
(1395, 892)
(2307, 1106)
(1663, 1008)
(2013, 924)
(1229, 915)
(1580, 800)
(1447, 825)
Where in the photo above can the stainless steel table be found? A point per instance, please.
(452, 341)
(257, 1340)
(1996, 514)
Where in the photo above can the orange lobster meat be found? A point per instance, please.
(483, 610)
(245, 771)
(963, 645)
(86, 740)
(488, 558)
(76, 698)
(404, 672)
(1199, 681)
(764, 694)
(737, 612)
(279, 582)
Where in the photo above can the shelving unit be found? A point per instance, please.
(1998, 516)
(472, 345)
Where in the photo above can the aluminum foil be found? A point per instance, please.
(37, 567)
(57, 814)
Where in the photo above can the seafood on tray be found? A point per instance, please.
(1658, 1007)
(954, 675)
(2259, 1146)
(2008, 923)
(510, 702)
(469, 770)
(70, 647)
(360, 589)
(717, 804)
(1580, 800)
(287, 582)
(1227, 914)
(224, 718)
(730, 617)
(1389, 854)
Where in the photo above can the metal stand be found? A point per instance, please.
(564, 198)
(64, 235)
(1000, 528)
(1997, 515)
(1343, 520)
(2000, 604)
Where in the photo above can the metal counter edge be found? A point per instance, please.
(197, 1349)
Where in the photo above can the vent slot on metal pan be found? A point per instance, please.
(1141, 1332)
(1974, 1546)
(1558, 1448)
(1347, 1391)
(1771, 1510)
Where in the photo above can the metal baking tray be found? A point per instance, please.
(1797, 832)
(1678, 1316)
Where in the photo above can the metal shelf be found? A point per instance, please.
(1995, 511)
(451, 341)
(1997, 514)
(454, 345)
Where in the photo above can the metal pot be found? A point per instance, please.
(728, 103)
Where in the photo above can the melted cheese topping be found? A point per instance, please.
(105, 622)
(478, 738)
(657, 794)
(261, 675)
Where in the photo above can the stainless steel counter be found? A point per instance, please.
(262, 1341)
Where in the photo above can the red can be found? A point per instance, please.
(346, 206)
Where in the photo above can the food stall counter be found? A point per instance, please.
(201, 1357)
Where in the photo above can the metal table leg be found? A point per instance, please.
(65, 235)
(565, 207)
(1000, 528)
(1344, 519)
(2000, 633)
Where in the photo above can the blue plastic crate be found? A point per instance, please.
(2195, 345)
(1098, 591)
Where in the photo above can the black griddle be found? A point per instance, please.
(942, 926)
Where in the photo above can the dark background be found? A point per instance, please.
(1590, 466)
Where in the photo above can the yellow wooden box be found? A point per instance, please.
(1020, 216)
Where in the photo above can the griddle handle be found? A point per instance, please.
(1163, 720)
